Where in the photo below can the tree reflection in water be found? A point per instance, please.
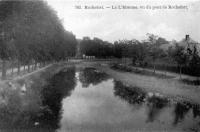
(57, 88)
(196, 111)
(182, 108)
(131, 95)
(39, 108)
(92, 76)
(155, 105)
(137, 96)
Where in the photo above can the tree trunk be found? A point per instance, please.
(142, 67)
(28, 67)
(18, 68)
(24, 67)
(12, 68)
(154, 68)
(180, 72)
(12, 72)
(4, 68)
(32, 67)
(35, 65)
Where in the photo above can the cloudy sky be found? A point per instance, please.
(114, 24)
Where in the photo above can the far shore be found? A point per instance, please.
(169, 87)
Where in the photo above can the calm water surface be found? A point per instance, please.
(103, 104)
(86, 100)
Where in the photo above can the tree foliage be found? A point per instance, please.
(32, 31)
(96, 47)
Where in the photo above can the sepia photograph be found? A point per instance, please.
(99, 66)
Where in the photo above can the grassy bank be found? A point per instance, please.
(136, 70)
(150, 83)
(24, 101)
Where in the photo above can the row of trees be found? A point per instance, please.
(122, 48)
(96, 47)
(31, 32)
(147, 53)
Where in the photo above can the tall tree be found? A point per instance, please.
(35, 31)
(180, 56)
(154, 51)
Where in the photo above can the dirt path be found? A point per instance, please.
(168, 87)
(33, 72)
(25, 75)
(175, 75)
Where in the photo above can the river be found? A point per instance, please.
(87, 100)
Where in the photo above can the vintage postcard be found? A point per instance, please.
(99, 66)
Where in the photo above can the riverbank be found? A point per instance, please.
(38, 95)
(167, 86)
(27, 101)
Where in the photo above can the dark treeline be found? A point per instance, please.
(31, 33)
(96, 47)
(91, 76)
(154, 52)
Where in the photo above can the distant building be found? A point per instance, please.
(188, 43)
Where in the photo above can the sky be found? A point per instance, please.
(117, 24)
